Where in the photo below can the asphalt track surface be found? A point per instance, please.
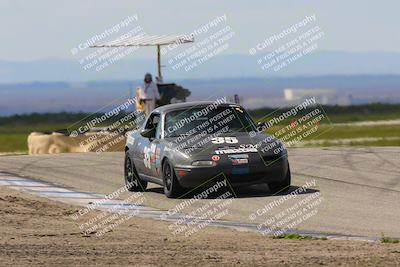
(360, 187)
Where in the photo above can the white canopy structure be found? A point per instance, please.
(149, 40)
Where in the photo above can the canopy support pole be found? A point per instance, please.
(159, 63)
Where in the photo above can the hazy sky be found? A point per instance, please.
(49, 29)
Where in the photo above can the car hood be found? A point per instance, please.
(263, 143)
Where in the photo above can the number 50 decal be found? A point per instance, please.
(221, 140)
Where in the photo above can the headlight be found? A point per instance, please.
(204, 163)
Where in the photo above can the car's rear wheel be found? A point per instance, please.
(132, 181)
(281, 186)
(172, 188)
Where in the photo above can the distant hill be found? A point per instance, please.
(224, 66)
(18, 98)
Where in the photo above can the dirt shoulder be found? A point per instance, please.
(38, 231)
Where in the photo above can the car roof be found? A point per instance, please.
(186, 105)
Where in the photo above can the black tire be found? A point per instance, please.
(131, 176)
(282, 186)
(172, 188)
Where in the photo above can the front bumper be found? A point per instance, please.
(255, 172)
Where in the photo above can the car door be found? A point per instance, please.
(156, 151)
(147, 148)
(142, 148)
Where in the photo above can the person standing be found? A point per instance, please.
(149, 94)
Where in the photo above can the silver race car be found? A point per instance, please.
(183, 146)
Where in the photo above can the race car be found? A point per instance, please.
(182, 146)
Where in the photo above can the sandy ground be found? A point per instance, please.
(37, 231)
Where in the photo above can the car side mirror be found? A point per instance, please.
(262, 126)
(148, 133)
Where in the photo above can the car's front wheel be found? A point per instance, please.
(172, 188)
(132, 180)
(281, 186)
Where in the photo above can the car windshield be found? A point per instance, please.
(208, 120)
